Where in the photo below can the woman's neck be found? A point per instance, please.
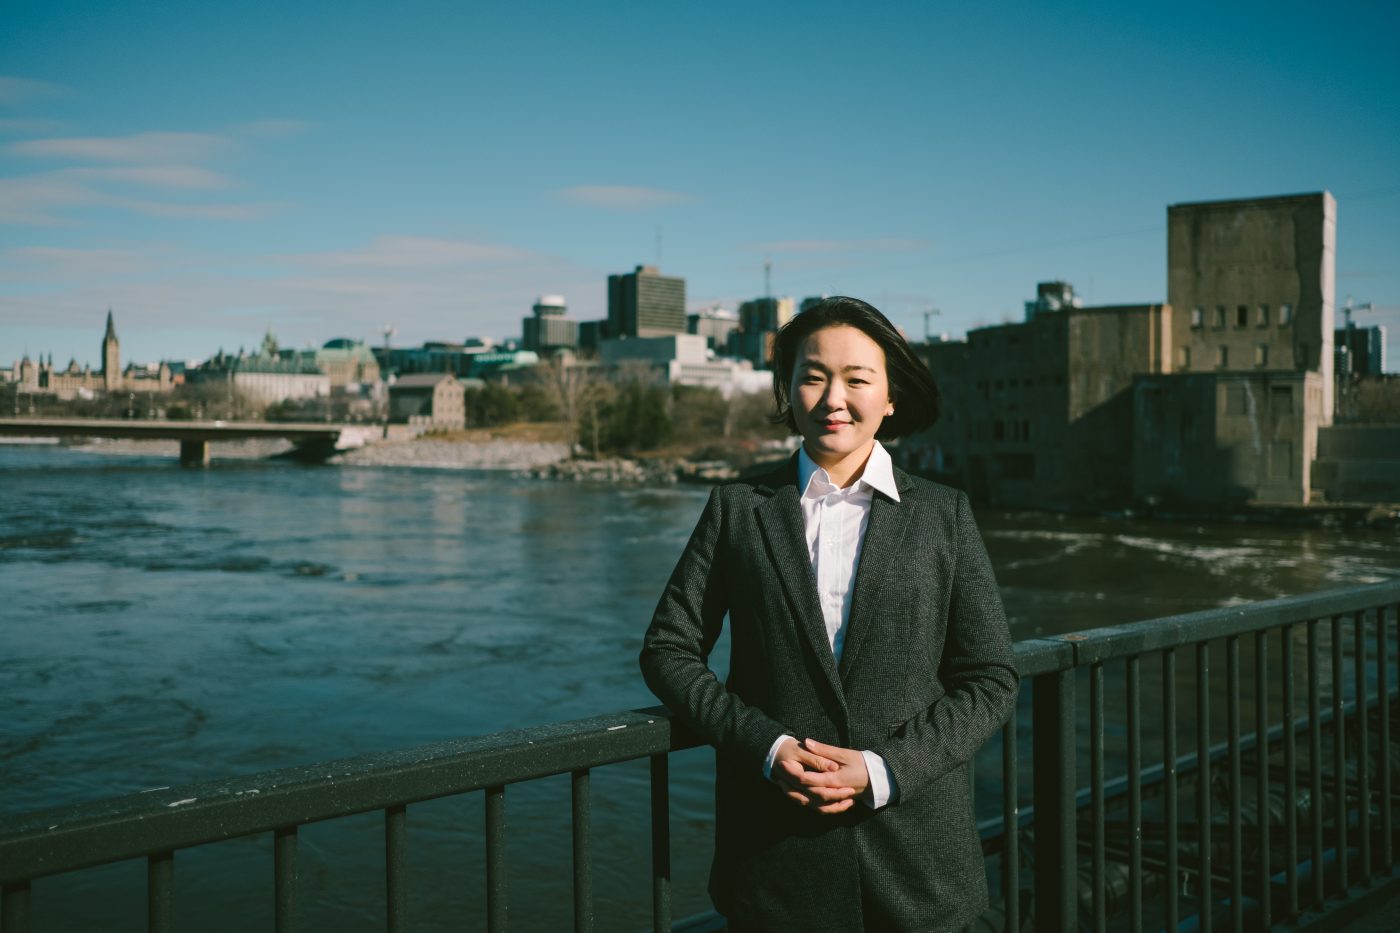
(843, 469)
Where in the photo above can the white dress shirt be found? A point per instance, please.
(835, 520)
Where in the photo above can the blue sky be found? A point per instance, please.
(326, 169)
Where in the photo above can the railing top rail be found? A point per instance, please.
(63, 839)
(1120, 641)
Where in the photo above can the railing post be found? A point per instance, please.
(160, 898)
(661, 843)
(285, 879)
(496, 906)
(583, 854)
(14, 908)
(1053, 748)
(395, 869)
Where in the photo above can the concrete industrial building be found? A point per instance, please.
(1216, 397)
(1040, 413)
(1253, 285)
(645, 303)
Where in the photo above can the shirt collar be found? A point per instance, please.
(877, 475)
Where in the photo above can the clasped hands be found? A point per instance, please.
(824, 778)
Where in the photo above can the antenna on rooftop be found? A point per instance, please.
(931, 312)
(767, 278)
(389, 331)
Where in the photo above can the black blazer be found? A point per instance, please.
(926, 676)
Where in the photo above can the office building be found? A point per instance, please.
(645, 303)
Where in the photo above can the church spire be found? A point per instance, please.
(111, 330)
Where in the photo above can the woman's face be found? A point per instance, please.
(840, 393)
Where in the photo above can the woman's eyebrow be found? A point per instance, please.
(816, 364)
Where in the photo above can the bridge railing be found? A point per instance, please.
(1290, 814)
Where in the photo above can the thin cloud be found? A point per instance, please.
(20, 125)
(884, 245)
(14, 91)
(622, 197)
(188, 177)
(411, 252)
(46, 199)
(43, 263)
(155, 148)
(273, 127)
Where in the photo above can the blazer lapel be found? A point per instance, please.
(884, 538)
(780, 517)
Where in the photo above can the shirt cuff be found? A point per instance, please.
(773, 754)
(883, 789)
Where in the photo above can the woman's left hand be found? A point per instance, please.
(831, 791)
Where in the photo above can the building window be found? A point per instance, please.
(998, 431)
(1263, 315)
(1183, 357)
(1222, 357)
(1025, 430)
(1219, 316)
(1261, 355)
(1236, 401)
(1285, 315)
(1198, 317)
(1302, 356)
(1241, 315)
(1281, 400)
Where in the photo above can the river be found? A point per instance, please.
(163, 626)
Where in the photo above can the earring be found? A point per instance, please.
(889, 411)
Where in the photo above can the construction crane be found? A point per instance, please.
(1349, 308)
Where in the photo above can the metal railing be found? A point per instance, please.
(1115, 853)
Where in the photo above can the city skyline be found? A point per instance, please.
(326, 172)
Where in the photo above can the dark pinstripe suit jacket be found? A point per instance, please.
(926, 676)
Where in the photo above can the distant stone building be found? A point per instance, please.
(264, 378)
(645, 303)
(431, 400)
(345, 362)
(43, 378)
(550, 329)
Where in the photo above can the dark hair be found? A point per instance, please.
(912, 387)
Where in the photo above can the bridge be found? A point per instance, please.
(313, 442)
(1251, 786)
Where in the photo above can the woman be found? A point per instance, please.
(869, 654)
